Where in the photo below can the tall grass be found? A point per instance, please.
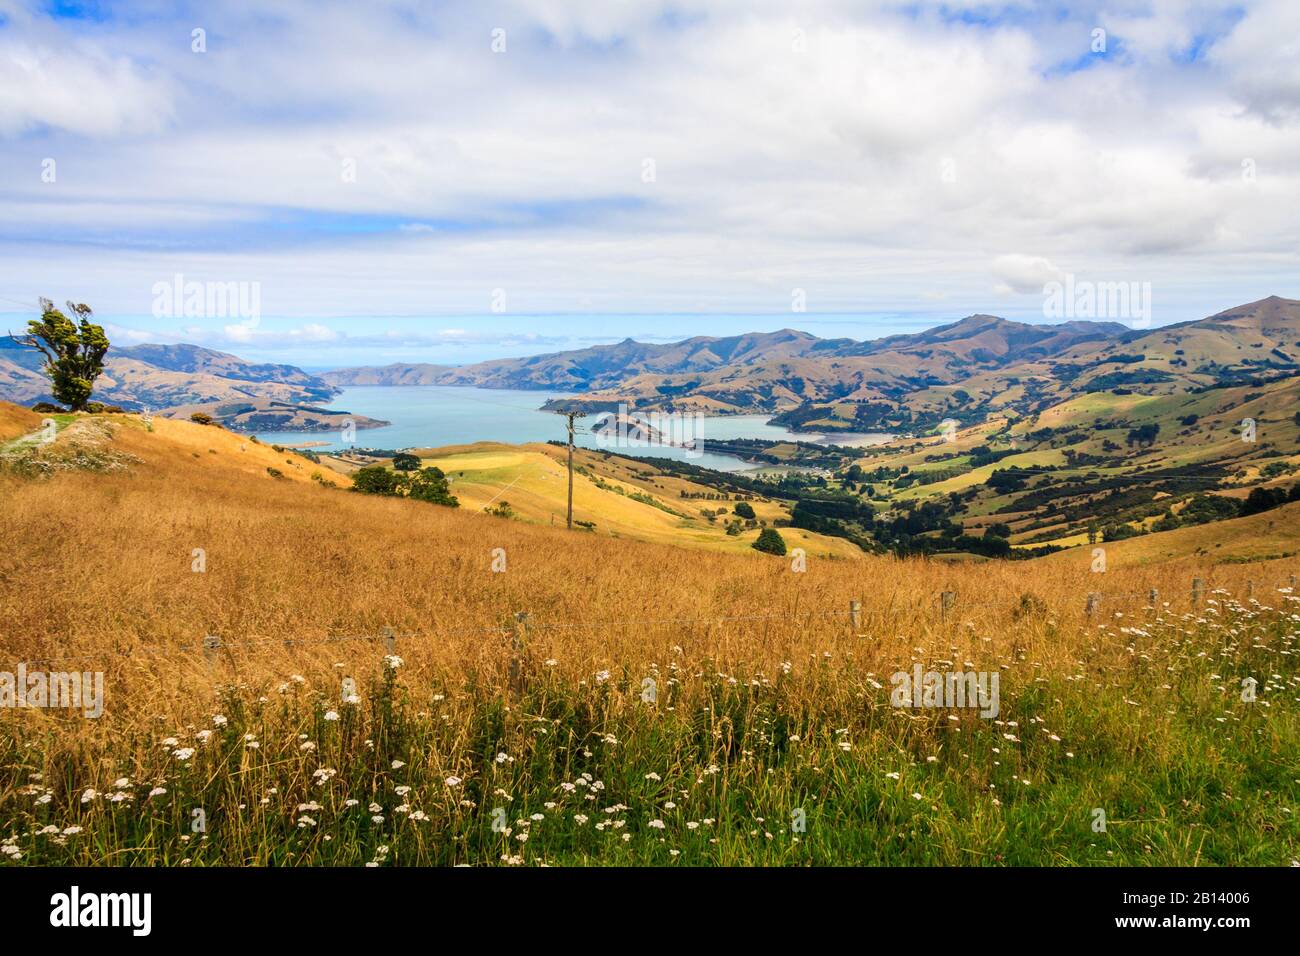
(767, 701)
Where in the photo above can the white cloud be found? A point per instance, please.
(881, 163)
(1024, 273)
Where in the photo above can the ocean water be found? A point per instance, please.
(429, 416)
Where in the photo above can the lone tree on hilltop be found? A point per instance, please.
(770, 542)
(74, 351)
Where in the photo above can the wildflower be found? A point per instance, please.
(87, 796)
(453, 781)
(398, 764)
(331, 715)
(657, 824)
(157, 791)
(183, 753)
(219, 720)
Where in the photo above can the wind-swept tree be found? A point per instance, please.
(74, 351)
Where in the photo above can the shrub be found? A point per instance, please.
(770, 542)
(377, 480)
(405, 462)
(430, 484)
(199, 418)
(744, 509)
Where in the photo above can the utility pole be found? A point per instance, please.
(571, 416)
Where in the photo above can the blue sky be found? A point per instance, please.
(402, 181)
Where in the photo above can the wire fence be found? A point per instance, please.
(947, 603)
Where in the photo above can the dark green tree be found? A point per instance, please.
(770, 542)
(74, 351)
(403, 461)
(378, 480)
(430, 484)
(744, 509)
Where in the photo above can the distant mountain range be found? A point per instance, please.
(962, 370)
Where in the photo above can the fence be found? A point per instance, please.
(945, 603)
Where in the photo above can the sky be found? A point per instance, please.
(347, 184)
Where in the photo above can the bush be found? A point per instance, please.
(770, 542)
(275, 472)
(430, 484)
(49, 409)
(405, 462)
(1263, 499)
(744, 509)
(501, 509)
(377, 480)
(199, 418)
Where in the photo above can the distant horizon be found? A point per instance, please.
(470, 349)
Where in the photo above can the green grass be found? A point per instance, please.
(1185, 771)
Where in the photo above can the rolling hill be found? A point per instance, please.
(162, 376)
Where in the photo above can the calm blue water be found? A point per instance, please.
(429, 416)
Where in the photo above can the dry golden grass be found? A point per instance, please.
(16, 421)
(95, 564)
(769, 699)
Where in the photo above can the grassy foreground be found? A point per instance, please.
(302, 742)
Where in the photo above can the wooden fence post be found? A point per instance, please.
(211, 644)
(1250, 590)
(390, 641)
(1094, 600)
(946, 601)
(855, 615)
(1153, 596)
(1197, 587)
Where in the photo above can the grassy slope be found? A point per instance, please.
(533, 479)
(1262, 537)
(769, 703)
(16, 421)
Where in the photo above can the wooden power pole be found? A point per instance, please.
(571, 416)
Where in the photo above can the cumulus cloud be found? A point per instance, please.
(1019, 273)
